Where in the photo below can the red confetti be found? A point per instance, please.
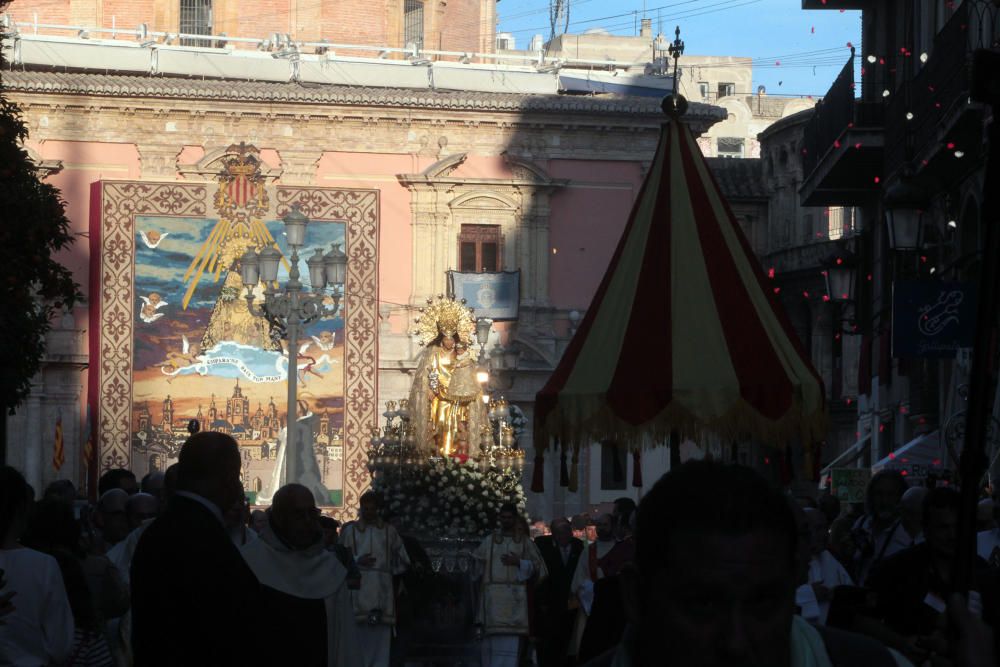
(805, 294)
(805, 152)
(826, 297)
(836, 336)
(770, 272)
(857, 145)
(903, 473)
(881, 61)
(923, 259)
(847, 401)
(903, 410)
(824, 273)
(936, 462)
(767, 460)
(862, 70)
(869, 277)
(851, 124)
(850, 46)
(878, 180)
(845, 296)
(836, 143)
(930, 88)
(937, 105)
(892, 455)
(881, 429)
(951, 145)
(924, 162)
(777, 290)
(777, 63)
(813, 30)
(840, 261)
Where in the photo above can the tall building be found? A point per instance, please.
(457, 25)
(906, 146)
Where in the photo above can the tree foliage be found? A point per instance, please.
(34, 286)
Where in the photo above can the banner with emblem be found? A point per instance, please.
(495, 295)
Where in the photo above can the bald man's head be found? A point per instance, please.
(209, 465)
(562, 531)
(294, 516)
(111, 516)
(140, 507)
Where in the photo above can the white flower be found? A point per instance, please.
(471, 487)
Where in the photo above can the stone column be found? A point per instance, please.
(159, 161)
(298, 167)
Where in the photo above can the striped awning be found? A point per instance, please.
(684, 332)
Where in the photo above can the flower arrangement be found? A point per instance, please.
(447, 497)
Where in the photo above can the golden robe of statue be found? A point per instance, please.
(447, 411)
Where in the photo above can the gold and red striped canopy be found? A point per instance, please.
(683, 333)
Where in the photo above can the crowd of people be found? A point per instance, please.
(715, 567)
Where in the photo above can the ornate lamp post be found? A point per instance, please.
(289, 308)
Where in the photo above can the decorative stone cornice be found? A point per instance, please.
(257, 91)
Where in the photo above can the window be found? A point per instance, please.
(703, 89)
(614, 467)
(479, 248)
(840, 222)
(730, 146)
(413, 23)
(196, 19)
(727, 89)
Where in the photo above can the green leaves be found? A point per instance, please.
(35, 286)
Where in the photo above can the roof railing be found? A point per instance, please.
(279, 41)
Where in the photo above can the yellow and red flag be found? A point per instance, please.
(88, 440)
(58, 453)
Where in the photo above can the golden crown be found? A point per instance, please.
(445, 316)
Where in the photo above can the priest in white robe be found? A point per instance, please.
(825, 572)
(380, 555)
(304, 585)
(508, 559)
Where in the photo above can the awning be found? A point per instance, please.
(916, 458)
(684, 333)
(845, 458)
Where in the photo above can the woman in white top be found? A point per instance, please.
(39, 631)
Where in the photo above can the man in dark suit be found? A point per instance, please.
(192, 592)
(554, 615)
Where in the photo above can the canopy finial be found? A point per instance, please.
(674, 104)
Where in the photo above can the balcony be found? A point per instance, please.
(930, 121)
(842, 147)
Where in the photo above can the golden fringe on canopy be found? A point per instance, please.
(581, 421)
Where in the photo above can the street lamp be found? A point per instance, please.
(290, 308)
(839, 272)
(904, 205)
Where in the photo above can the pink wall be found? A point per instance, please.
(378, 171)
(585, 224)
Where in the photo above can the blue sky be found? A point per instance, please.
(811, 46)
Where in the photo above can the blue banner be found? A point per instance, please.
(492, 295)
(932, 319)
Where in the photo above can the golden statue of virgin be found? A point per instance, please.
(447, 413)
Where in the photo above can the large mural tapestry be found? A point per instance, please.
(177, 342)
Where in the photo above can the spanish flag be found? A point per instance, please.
(59, 453)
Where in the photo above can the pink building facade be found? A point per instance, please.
(403, 181)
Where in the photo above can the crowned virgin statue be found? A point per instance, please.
(447, 412)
